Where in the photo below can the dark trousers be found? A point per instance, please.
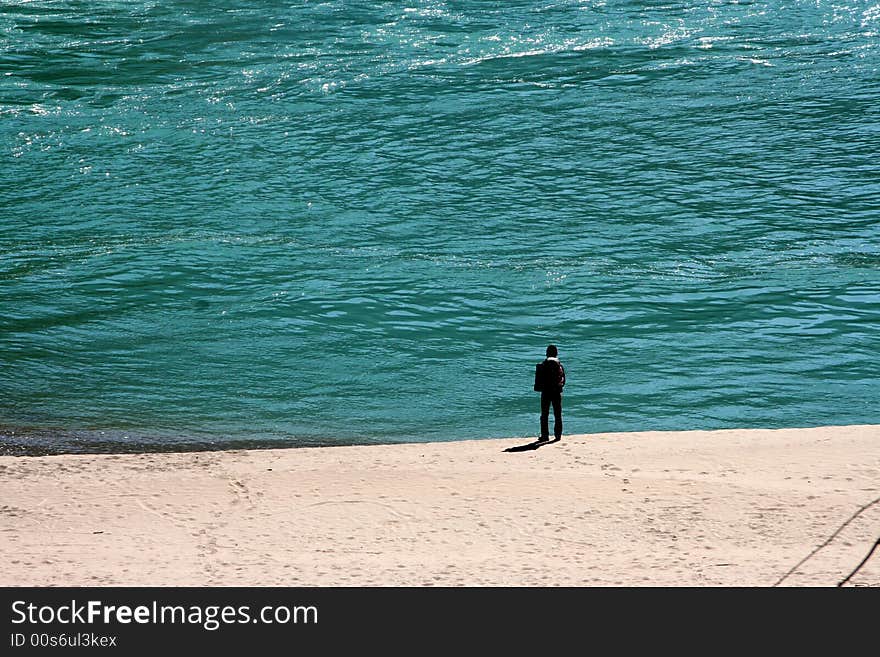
(548, 399)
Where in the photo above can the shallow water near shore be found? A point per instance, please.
(331, 223)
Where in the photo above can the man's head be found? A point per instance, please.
(552, 351)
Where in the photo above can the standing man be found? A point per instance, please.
(549, 380)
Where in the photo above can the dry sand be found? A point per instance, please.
(721, 508)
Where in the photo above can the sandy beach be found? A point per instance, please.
(720, 508)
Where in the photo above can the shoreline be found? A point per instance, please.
(33, 441)
(728, 507)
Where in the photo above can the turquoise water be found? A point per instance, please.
(334, 222)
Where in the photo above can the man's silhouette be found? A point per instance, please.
(550, 379)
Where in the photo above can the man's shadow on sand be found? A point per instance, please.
(533, 445)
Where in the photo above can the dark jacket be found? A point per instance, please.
(550, 376)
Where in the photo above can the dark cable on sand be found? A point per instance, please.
(859, 567)
(831, 538)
